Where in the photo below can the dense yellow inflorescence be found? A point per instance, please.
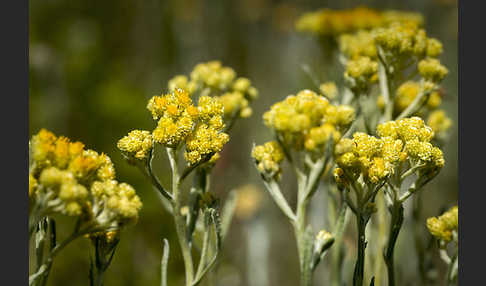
(307, 120)
(375, 158)
(268, 158)
(199, 127)
(213, 79)
(357, 45)
(63, 179)
(416, 137)
(406, 39)
(137, 144)
(442, 227)
(327, 22)
(432, 70)
(361, 73)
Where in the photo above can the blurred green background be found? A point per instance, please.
(94, 65)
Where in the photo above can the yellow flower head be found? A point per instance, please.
(415, 137)
(358, 45)
(137, 144)
(213, 75)
(308, 119)
(438, 121)
(328, 22)
(432, 70)
(402, 39)
(204, 141)
(443, 226)
(268, 158)
(118, 203)
(361, 73)
(64, 179)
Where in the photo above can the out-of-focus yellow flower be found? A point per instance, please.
(357, 45)
(329, 90)
(405, 39)
(249, 201)
(431, 69)
(328, 22)
(438, 121)
(268, 158)
(443, 226)
(408, 91)
(137, 144)
(361, 73)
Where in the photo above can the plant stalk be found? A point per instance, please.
(395, 226)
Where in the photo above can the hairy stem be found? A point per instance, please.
(395, 226)
(180, 222)
(360, 260)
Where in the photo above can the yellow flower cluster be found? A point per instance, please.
(63, 179)
(179, 121)
(327, 22)
(438, 121)
(406, 39)
(432, 70)
(268, 158)
(357, 45)
(308, 120)
(360, 73)
(406, 94)
(114, 201)
(176, 115)
(416, 137)
(222, 82)
(137, 144)
(372, 157)
(442, 227)
(375, 158)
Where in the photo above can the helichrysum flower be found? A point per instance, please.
(62, 177)
(137, 144)
(416, 137)
(308, 120)
(268, 158)
(215, 80)
(376, 157)
(114, 201)
(402, 39)
(443, 226)
(431, 69)
(438, 121)
(408, 91)
(328, 22)
(361, 73)
(357, 45)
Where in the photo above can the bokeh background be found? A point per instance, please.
(94, 65)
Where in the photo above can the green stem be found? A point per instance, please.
(180, 222)
(395, 226)
(360, 260)
(299, 229)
